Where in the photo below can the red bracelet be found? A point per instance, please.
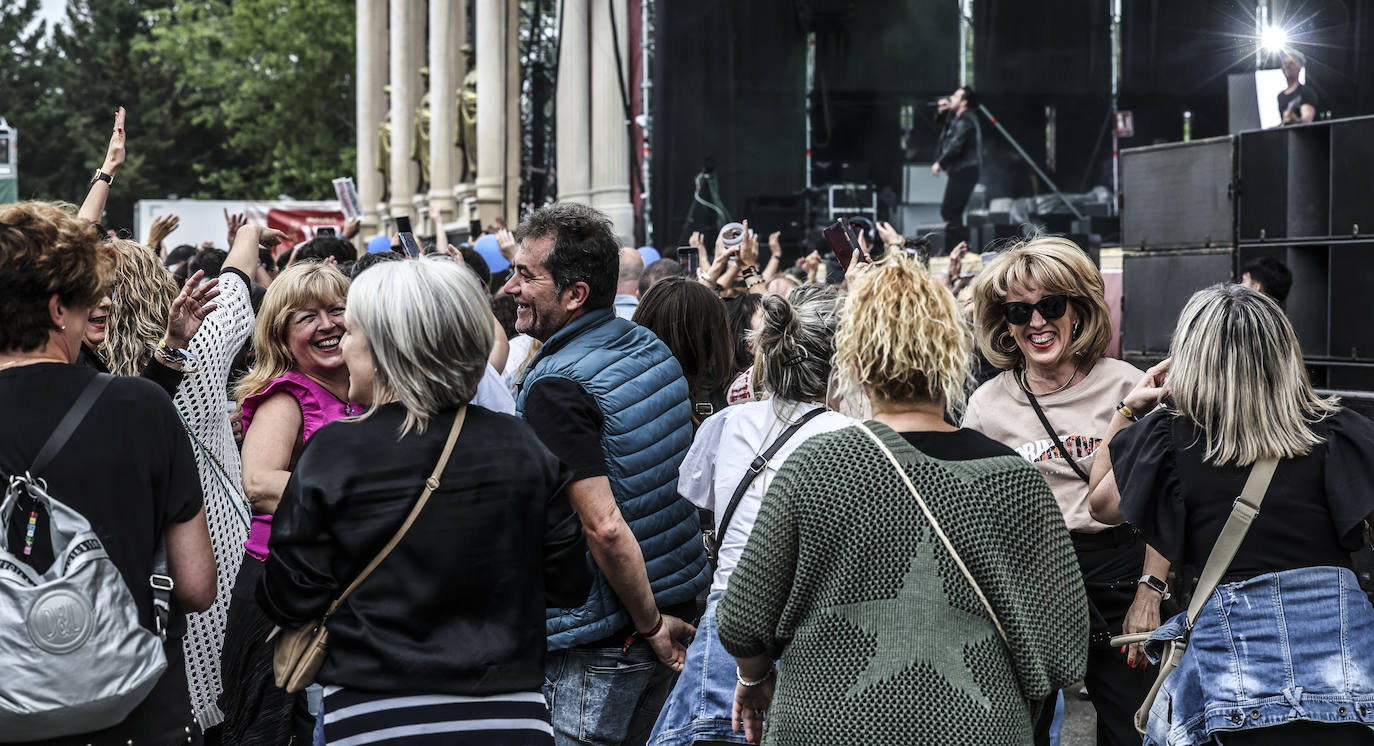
(654, 631)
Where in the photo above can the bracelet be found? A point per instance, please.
(746, 682)
(749, 271)
(1126, 412)
(654, 631)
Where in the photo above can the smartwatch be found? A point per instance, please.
(1155, 584)
(102, 176)
(189, 361)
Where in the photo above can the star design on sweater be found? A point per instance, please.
(916, 627)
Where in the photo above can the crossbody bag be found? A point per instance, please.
(301, 652)
(756, 468)
(1243, 513)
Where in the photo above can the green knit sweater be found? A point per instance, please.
(881, 639)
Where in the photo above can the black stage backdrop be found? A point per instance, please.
(730, 86)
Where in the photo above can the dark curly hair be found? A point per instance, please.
(585, 249)
(46, 250)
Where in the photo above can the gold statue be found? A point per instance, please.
(465, 134)
(384, 146)
(419, 149)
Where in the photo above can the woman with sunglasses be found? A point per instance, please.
(1040, 316)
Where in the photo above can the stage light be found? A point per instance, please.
(1273, 39)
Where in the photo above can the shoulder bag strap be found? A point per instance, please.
(1045, 422)
(63, 432)
(235, 495)
(939, 532)
(431, 485)
(756, 468)
(1243, 513)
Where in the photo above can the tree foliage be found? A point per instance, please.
(249, 99)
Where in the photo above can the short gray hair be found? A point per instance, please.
(430, 329)
(1238, 374)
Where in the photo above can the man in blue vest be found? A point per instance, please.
(608, 398)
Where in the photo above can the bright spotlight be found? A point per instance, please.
(1274, 39)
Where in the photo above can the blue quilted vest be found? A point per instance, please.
(646, 430)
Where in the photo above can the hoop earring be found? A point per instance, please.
(1005, 341)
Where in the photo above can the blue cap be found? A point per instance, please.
(379, 245)
(490, 250)
(650, 254)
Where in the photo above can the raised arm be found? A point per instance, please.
(94, 206)
(243, 255)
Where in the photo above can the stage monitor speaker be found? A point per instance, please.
(1286, 178)
(768, 213)
(1179, 195)
(1155, 287)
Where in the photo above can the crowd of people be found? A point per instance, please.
(573, 495)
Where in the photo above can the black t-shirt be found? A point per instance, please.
(129, 470)
(1312, 514)
(957, 445)
(568, 420)
(1302, 95)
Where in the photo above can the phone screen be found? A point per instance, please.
(840, 242)
(408, 241)
(690, 260)
(325, 232)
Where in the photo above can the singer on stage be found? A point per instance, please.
(960, 156)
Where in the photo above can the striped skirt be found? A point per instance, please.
(353, 717)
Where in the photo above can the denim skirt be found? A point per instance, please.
(699, 707)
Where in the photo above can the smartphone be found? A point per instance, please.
(841, 242)
(408, 241)
(474, 228)
(322, 232)
(690, 260)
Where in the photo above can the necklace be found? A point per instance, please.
(29, 361)
(1025, 384)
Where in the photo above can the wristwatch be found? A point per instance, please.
(1155, 584)
(102, 176)
(189, 361)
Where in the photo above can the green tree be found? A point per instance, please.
(276, 78)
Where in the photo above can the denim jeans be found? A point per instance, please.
(1279, 647)
(601, 697)
(699, 707)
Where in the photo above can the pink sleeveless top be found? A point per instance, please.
(319, 407)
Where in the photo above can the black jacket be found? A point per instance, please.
(458, 607)
(961, 144)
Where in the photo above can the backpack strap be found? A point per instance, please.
(755, 469)
(63, 432)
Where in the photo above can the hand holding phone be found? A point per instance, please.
(841, 242)
(690, 260)
(408, 241)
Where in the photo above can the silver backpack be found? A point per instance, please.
(76, 658)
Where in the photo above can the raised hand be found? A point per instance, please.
(889, 235)
(749, 247)
(114, 154)
(192, 305)
(505, 241)
(163, 226)
(352, 227)
(775, 244)
(235, 222)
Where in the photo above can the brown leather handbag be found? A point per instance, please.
(300, 652)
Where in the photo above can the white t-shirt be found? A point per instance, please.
(492, 392)
(725, 446)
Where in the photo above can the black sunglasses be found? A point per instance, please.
(1050, 307)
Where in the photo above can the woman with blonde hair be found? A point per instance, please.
(880, 573)
(1040, 315)
(1280, 651)
(297, 385)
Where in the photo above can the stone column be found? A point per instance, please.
(419, 38)
(403, 100)
(513, 174)
(572, 106)
(610, 142)
(491, 109)
(458, 36)
(371, 76)
(441, 101)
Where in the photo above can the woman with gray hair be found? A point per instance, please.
(1279, 653)
(732, 461)
(447, 634)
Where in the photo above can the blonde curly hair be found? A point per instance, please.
(904, 338)
(139, 306)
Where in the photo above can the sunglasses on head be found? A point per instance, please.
(1051, 307)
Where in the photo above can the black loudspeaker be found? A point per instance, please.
(1285, 183)
(1179, 195)
(1352, 177)
(768, 213)
(1156, 285)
